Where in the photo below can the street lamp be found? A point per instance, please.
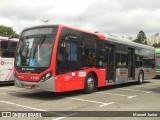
(45, 21)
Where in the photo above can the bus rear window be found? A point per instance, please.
(13, 45)
(4, 45)
(8, 54)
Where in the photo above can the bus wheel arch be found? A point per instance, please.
(140, 77)
(91, 82)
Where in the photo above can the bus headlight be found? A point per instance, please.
(46, 76)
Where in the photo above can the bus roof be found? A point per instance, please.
(8, 39)
(103, 37)
(100, 36)
(126, 41)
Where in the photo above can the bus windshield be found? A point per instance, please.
(35, 51)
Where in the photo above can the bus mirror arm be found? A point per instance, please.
(66, 38)
(70, 37)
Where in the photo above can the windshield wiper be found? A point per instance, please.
(39, 44)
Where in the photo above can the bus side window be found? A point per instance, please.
(121, 60)
(4, 45)
(101, 55)
(88, 52)
(62, 58)
(63, 51)
(73, 52)
(13, 45)
(67, 57)
(73, 57)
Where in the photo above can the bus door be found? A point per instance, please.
(110, 63)
(68, 62)
(131, 65)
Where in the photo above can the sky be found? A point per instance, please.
(121, 17)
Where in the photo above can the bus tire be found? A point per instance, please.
(90, 83)
(140, 78)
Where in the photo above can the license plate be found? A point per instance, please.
(28, 86)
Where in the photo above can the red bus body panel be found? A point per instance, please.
(72, 80)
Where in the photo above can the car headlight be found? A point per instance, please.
(46, 76)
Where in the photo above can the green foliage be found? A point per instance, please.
(141, 38)
(156, 45)
(7, 31)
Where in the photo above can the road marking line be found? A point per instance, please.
(107, 104)
(22, 106)
(18, 92)
(103, 104)
(32, 108)
(59, 118)
(7, 89)
(146, 87)
(7, 93)
(153, 84)
(118, 94)
(112, 94)
(132, 96)
(135, 90)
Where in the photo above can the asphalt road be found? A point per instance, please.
(122, 98)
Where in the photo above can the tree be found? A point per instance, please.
(156, 45)
(7, 31)
(130, 38)
(141, 38)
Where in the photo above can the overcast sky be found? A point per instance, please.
(124, 17)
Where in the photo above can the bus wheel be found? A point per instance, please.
(89, 86)
(140, 77)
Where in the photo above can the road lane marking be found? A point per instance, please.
(59, 118)
(32, 108)
(102, 103)
(146, 87)
(11, 103)
(107, 104)
(19, 92)
(135, 90)
(8, 89)
(153, 84)
(118, 94)
(132, 96)
(7, 93)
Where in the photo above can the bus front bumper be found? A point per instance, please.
(47, 85)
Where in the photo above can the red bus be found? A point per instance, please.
(59, 58)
